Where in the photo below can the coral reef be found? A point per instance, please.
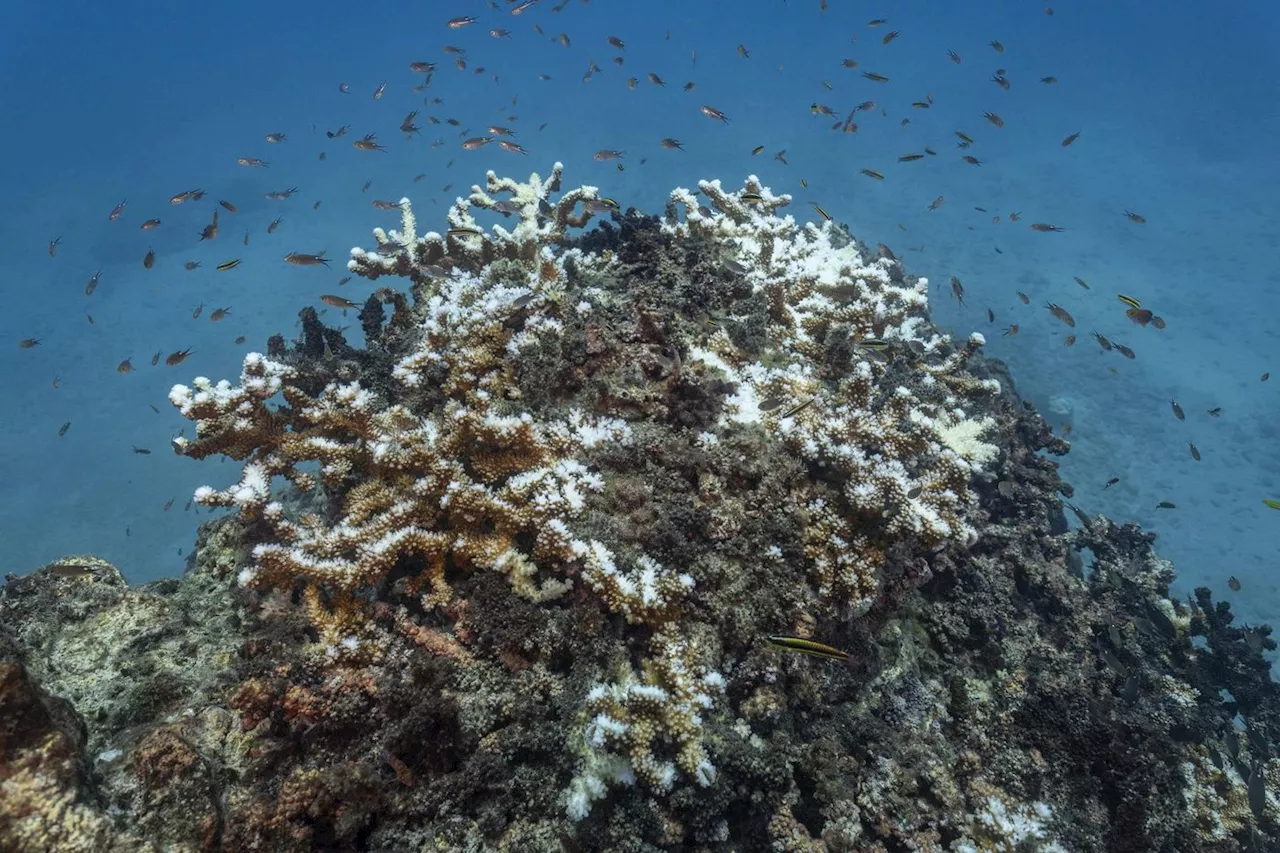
(501, 577)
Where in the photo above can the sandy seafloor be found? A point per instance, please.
(141, 101)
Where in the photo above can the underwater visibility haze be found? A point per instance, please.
(804, 425)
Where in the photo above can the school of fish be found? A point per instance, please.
(864, 84)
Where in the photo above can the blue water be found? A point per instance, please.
(1177, 121)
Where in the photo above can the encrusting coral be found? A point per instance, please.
(503, 577)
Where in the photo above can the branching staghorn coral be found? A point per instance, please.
(465, 244)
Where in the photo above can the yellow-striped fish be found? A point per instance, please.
(1271, 503)
(786, 643)
(1129, 300)
(228, 265)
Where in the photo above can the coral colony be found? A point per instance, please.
(502, 578)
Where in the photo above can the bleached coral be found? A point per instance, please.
(903, 456)
(648, 728)
(465, 245)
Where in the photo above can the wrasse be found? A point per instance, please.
(460, 22)
(1129, 300)
(228, 265)
(875, 78)
(253, 162)
(786, 643)
(1045, 226)
(228, 206)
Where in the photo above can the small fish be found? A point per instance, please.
(63, 430)
(141, 451)
(228, 265)
(125, 367)
(957, 290)
(798, 408)
(378, 92)
(821, 212)
(149, 260)
(228, 206)
(514, 148)
(1011, 331)
(786, 643)
(712, 112)
(459, 23)
(1102, 342)
(301, 259)
(1061, 313)
(190, 265)
(1166, 505)
(1135, 217)
(1216, 411)
(175, 358)
(28, 343)
(1177, 410)
(1125, 351)
(671, 144)
(280, 195)
(150, 225)
(997, 47)
(337, 301)
(937, 202)
(606, 154)
(1110, 483)
(1141, 316)
(1129, 300)
(1233, 583)
(871, 173)
(155, 359)
(369, 142)
(253, 162)
(1273, 504)
(117, 211)
(92, 284)
(1046, 227)
(275, 223)
(1195, 451)
(218, 314)
(1070, 139)
(1081, 282)
(994, 119)
(875, 78)
(1026, 300)
(53, 246)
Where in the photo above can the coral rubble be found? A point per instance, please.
(501, 577)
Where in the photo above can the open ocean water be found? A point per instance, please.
(1174, 104)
